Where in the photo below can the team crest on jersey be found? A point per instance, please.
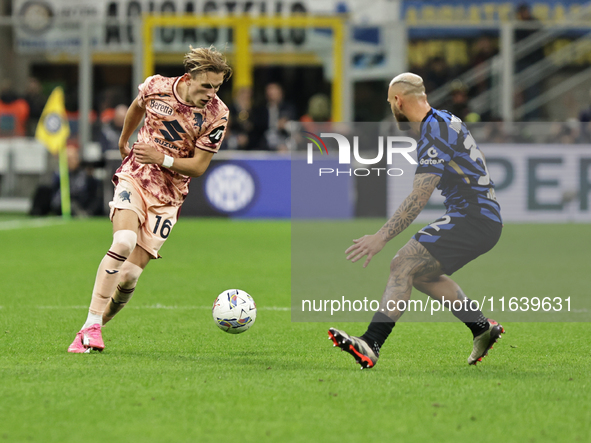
(124, 195)
(216, 134)
(198, 120)
(160, 107)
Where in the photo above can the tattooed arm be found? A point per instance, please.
(407, 212)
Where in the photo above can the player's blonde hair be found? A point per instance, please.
(199, 60)
(410, 84)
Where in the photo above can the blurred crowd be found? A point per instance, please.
(266, 121)
(263, 125)
(268, 124)
(436, 72)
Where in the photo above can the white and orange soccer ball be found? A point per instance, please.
(234, 311)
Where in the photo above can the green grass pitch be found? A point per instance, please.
(169, 374)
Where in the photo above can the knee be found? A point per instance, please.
(124, 242)
(402, 261)
(398, 264)
(395, 263)
(129, 274)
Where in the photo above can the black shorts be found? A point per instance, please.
(455, 240)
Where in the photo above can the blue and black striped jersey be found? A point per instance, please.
(447, 149)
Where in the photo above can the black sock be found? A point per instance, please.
(378, 330)
(474, 319)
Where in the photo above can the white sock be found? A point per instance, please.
(93, 319)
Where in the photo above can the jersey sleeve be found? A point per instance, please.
(433, 155)
(143, 90)
(212, 139)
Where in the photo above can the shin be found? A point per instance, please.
(129, 275)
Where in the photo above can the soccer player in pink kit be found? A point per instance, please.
(185, 123)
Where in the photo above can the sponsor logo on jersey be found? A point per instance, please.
(431, 161)
(164, 143)
(216, 134)
(160, 107)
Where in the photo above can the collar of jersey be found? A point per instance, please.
(177, 96)
(427, 116)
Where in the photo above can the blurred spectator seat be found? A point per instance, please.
(14, 113)
(28, 156)
(23, 163)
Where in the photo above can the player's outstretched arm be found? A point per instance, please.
(191, 167)
(422, 188)
(133, 118)
(407, 212)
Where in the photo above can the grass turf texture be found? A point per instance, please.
(170, 375)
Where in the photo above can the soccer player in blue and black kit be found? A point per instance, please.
(450, 161)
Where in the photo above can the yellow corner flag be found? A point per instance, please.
(53, 131)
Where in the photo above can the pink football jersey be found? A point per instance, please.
(175, 128)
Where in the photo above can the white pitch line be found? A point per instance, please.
(30, 223)
(159, 306)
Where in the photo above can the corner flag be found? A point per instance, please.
(53, 131)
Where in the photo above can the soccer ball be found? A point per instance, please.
(234, 311)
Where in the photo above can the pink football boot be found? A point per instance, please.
(88, 339)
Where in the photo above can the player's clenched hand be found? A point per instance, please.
(124, 149)
(368, 245)
(146, 154)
